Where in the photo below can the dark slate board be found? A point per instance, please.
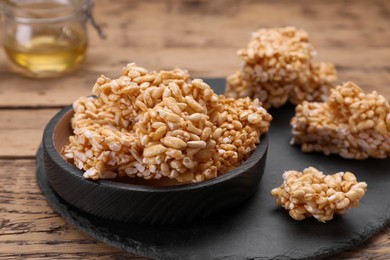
(257, 229)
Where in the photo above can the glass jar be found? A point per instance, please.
(46, 38)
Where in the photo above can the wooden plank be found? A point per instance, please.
(29, 228)
(203, 37)
(370, 70)
(21, 131)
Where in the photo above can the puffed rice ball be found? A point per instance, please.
(162, 124)
(311, 193)
(350, 123)
(277, 67)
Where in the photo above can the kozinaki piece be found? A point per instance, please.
(313, 194)
(154, 124)
(277, 67)
(350, 123)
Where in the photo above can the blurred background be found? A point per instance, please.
(203, 37)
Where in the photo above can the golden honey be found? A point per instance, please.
(46, 55)
(46, 38)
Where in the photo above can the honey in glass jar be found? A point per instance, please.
(45, 38)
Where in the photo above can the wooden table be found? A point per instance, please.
(199, 35)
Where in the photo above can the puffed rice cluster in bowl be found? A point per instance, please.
(155, 124)
(350, 123)
(311, 193)
(277, 67)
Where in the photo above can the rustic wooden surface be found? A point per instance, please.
(199, 35)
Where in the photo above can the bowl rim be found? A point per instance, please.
(51, 151)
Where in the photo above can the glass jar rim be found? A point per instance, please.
(10, 7)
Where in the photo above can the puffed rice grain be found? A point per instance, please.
(277, 67)
(313, 194)
(350, 123)
(162, 124)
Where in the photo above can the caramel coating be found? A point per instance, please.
(350, 123)
(277, 67)
(313, 194)
(154, 124)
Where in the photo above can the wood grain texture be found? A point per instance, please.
(199, 35)
(29, 228)
(21, 131)
(203, 37)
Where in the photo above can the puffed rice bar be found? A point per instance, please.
(154, 124)
(311, 193)
(350, 123)
(277, 67)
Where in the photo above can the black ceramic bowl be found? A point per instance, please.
(146, 202)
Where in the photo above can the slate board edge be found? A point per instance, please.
(82, 222)
(84, 225)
